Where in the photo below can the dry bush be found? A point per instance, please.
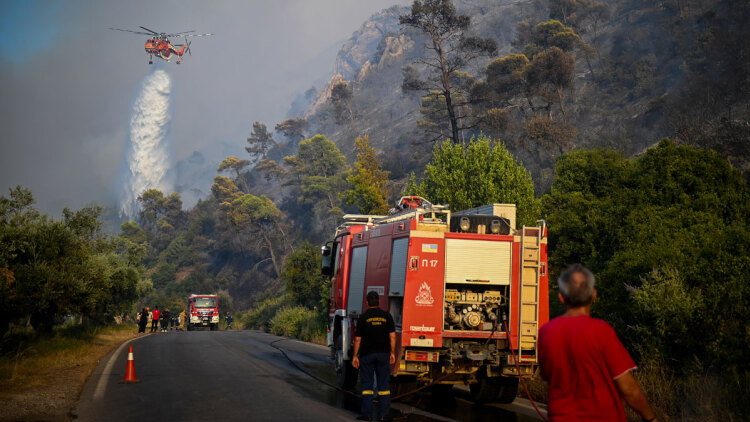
(41, 376)
(699, 395)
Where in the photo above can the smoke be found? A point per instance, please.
(149, 153)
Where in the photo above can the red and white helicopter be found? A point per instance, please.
(158, 44)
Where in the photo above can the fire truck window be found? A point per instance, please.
(205, 302)
(357, 280)
(398, 267)
(336, 251)
(396, 307)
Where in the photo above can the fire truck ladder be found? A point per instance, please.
(531, 240)
(431, 212)
(374, 220)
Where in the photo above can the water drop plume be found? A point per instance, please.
(148, 161)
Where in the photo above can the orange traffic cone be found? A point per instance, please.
(130, 369)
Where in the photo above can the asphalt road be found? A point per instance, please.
(238, 375)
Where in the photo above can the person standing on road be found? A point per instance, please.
(142, 320)
(164, 320)
(585, 364)
(374, 353)
(229, 321)
(155, 319)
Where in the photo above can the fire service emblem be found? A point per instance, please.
(424, 296)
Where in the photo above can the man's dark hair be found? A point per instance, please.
(576, 294)
(373, 299)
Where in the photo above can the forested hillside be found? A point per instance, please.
(565, 74)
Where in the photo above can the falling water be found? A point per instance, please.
(148, 155)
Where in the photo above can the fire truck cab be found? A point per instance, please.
(467, 292)
(202, 311)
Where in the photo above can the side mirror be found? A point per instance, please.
(325, 268)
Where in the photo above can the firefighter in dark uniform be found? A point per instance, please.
(374, 353)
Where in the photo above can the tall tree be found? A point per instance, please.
(157, 209)
(501, 95)
(235, 164)
(549, 75)
(481, 172)
(450, 50)
(259, 142)
(152, 207)
(259, 218)
(318, 170)
(318, 156)
(294, 129)
(341, 98)
(161, 216)
(368, 181)
(531, 89)
(224, 190)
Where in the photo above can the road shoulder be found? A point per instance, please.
(47, 387)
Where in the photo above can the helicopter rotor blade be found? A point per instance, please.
(127, 30)
(152, 32)
(179, 34)
(197, 35)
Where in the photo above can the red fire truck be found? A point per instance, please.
(202, 311)
(467, 291)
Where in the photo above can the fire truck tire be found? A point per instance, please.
(485, 390)
(189, 326)
(214, 327)
(346, 374)
(508, 389)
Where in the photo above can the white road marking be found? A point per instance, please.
(101, 386)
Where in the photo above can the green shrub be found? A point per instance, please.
(301, 275)
(289, 321)
(314, 328)
(259, 317)
(666, 235)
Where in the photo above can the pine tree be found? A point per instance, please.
(368, 180)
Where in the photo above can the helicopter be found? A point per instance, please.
(158, 44)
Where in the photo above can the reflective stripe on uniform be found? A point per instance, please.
(367, 392)
(384, 393)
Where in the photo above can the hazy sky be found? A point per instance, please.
(67, 83)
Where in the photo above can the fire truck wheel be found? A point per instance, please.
(214, 327)
(345, 372)
(508, 389)
(189, 326)
(485, 390)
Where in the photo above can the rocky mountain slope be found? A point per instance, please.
(645, 62)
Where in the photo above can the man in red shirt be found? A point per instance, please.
(586, 366)
(155, 319)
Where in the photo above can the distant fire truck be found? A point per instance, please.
(202, 311)
(453, 283)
